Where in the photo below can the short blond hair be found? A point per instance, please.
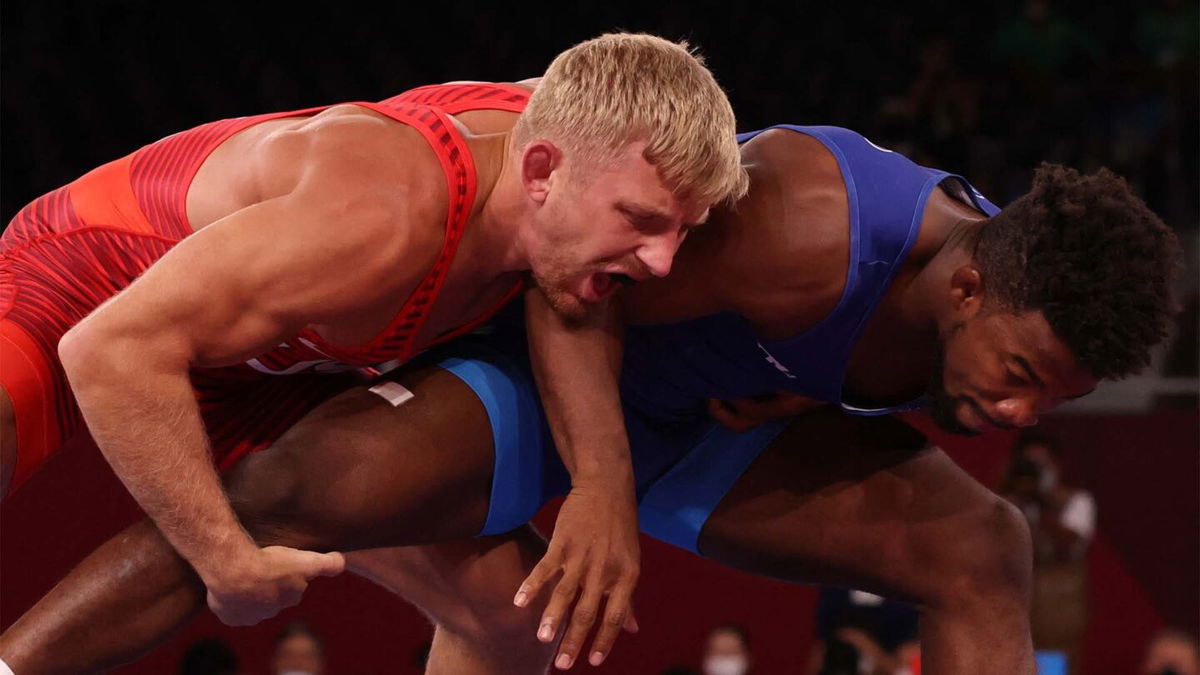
(619, 88)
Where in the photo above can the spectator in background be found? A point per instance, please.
(862, 633)
(1039, 43)
(209, 656)
(935, 120)
(727, 651)
(1171, 652)
(298, 651)
(1047, 65)
(1062, 520)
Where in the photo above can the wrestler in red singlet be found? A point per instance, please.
(70, 250)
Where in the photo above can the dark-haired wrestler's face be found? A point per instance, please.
(1000, 370)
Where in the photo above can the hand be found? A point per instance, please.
(595, 548)
(266, 581)
(744, 414)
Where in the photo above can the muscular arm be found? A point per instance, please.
(595, 544)
(231, 291)
(576, 365)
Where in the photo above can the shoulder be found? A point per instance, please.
(353, 165)
(360, 153)
(351, 151)
(370, 189)
(801, 176)
(796, 222)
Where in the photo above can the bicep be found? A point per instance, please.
(238, 286)
(358, 227)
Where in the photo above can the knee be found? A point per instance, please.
(267, 494)
(500, 634)
(1009, 548)
(486, 618)
(988, 560)
(488, 614)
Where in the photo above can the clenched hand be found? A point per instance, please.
(259, 585)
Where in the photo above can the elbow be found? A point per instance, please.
(89, 356)
(96, 351)
(76, 349)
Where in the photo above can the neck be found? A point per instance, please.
(921, 304)
(493, 242)
(917, 304)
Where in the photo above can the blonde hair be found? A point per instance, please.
(619, 88)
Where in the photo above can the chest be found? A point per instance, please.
(394, 330)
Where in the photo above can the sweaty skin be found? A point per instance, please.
(247, 280)
(274, 208)
(780, 261)
(834, 499)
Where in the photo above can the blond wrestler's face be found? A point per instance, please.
(602, 224)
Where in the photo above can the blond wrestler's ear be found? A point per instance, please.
(539, 160)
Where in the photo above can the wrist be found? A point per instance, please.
(612, 476)
(233, 559)
(599, 462)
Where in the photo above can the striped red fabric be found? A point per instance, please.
(55, 268)
(162, 172)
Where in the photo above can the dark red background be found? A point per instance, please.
(1144, 565)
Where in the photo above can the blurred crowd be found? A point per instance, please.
(857, 634)
(983, 89)
(1062, 523)
(298, 650)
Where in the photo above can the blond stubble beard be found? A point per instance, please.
(562, 301)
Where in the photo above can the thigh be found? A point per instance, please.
(854, 502)
(361, 471)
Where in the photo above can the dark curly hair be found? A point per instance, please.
(1093, 258)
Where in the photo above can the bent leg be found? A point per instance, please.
(847, 501)
(356, 472)
(466, 589)
(115, 606)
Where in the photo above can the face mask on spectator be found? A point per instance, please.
(726, 664)
(1047, 479)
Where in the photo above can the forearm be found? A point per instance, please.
(576, 365)
(594, 550)
(144, 417)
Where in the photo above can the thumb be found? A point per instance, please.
(325, 564)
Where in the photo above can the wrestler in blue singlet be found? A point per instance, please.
(684, 461)
(671, 370)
